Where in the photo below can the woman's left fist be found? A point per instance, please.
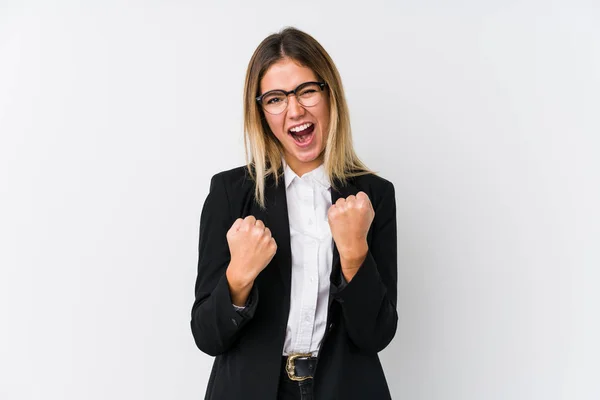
(350, 220)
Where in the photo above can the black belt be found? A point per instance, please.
(300, 367)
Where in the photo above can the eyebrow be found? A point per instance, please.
(288, 91)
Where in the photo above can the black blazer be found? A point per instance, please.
(248, 346)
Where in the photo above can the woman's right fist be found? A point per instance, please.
(251, 247)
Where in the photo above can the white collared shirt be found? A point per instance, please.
(308, 200)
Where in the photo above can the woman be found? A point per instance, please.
(296, 287)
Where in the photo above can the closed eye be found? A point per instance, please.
(308, 93)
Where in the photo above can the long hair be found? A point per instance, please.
(263, 150)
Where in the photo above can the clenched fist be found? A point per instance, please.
(252, 248)
(350, 220)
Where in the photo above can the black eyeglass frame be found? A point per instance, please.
(322, 85)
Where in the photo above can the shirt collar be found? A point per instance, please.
(318, 174)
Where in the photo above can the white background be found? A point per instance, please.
(485, 116)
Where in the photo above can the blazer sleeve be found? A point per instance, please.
(368, 301)
(215, 323)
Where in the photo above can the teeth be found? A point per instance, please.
(301, 127)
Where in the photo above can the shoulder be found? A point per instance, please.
(237, 188)
(381, 191)
(372, 180)
(374, 185)
(237, 177)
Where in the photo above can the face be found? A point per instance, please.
(303, 152)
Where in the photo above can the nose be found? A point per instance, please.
(295, 109)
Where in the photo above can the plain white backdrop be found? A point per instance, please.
(485, 116)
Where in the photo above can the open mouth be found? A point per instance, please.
(303, 133)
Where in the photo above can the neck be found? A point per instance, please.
(301, 168)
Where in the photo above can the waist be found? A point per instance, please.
(299, 367)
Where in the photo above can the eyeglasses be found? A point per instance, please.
(308, 94)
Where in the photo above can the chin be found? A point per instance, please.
(307, 157)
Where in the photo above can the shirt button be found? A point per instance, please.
(310, 221)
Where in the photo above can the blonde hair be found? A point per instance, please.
(263, 150)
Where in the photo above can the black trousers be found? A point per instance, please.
(293, 390)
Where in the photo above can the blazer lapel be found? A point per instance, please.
(278, 222)
(341, 193)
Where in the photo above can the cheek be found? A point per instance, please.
(276, 125)
(324, 119)
(324, 116)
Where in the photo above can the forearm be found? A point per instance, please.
(351, 260)
(239, 286)
(215, 323)
(368, 308)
